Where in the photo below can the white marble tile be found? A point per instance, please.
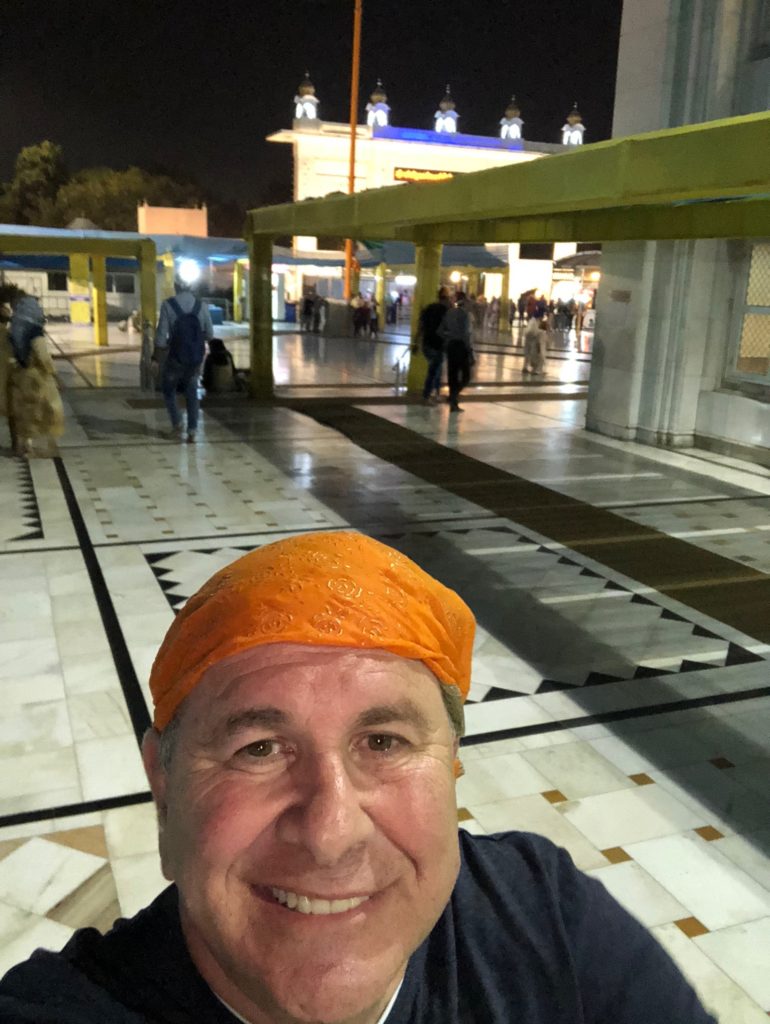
(98, 714)
(131, 830)
(41, 772)
(473, 827)
(39, 874)
(741, 951)
(25, 659)
(87, 673)
(749, 853)
(22, 933)
(491, 779)
(577, 770)
(535, 814)
(719, 994)
(28, 728)
(504, 714)
(630, 816)
(110, 766)
(651, 749)
(712, 888)
(32, 689)
(639, 893)
(139, 880)
(727, 806)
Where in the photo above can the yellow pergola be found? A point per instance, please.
(707, 180)
(82, 246)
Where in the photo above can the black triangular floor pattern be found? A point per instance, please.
(29, 522)
(179, 584)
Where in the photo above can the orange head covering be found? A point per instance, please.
(327, 589)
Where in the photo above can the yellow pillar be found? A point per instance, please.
(79, 288)
(167, 288)
(380, 295)
(355, 278)
(261, 316)
(474, 283)
(505, 302)
(148, 285)
(99, 297)
(428, 271)
(237, 291)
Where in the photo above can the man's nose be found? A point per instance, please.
(327, 817)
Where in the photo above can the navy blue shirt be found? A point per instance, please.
(525, 939)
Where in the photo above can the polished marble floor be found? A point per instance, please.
(618, 718)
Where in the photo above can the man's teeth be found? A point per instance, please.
(305, 905)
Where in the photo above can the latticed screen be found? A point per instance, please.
(758, 293)
(754, 351)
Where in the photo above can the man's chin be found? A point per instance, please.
(331, 996)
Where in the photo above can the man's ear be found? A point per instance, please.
(155, 772)
(157, 776)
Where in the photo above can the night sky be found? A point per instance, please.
(194, 88)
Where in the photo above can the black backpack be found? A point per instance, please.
(186, 342)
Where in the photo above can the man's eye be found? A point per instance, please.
(382, 743)
(261, 749)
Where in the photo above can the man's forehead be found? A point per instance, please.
(248, 672)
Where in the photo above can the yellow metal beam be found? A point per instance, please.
(55, 245)
(730, 219)
(717, 160)
(99, 297)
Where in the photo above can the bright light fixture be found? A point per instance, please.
(189, 271)
(407, 280)
(455, 277)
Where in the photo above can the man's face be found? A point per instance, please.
(319, 776)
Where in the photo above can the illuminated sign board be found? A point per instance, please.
(415, 174)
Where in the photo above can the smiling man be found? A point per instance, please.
(308, 711)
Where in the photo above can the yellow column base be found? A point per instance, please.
(428, 271)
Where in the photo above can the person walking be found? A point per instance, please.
(457, 333)
(432, 344)
(184, 327)
(535, 342)
(35, 404)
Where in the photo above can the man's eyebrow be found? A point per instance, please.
(250, 718)
(401, 711)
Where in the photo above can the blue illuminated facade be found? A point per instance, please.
(445, 138)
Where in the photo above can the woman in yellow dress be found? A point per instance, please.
(36, 406)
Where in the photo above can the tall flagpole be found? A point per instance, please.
(354, 77)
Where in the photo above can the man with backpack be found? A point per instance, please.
(184, 327)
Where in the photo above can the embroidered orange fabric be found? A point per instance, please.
(329, 589)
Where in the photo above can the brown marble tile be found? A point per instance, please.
(642, 779)
(721, 762)
(616, 855)
(94, 904)
(463, 814)
(691, 927)
(9, 845)
(554, 796)
(89, 840)
(709, 833)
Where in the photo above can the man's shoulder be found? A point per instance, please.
(96, 977)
